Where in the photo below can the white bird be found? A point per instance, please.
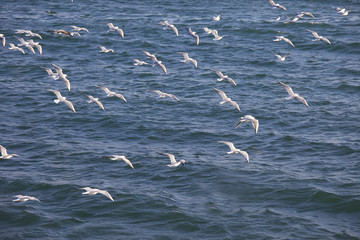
(51, 73)
(216, 18)
(22, 198)
(171, 26)
(78, 29)
(139, 62)
(151, 56)
(174, 163)
(188, 59)
(216, 35)
(5, 155)
(61, 32)
(343, 11)
(62, 99)
(226, 99)
(293, 95)
(207, 30)
(113, 28)
(162, 94)
(13, 47)
(111, 94)
(105, 50)
(25, 43)
(222, 77)
(318, 37)
(28, 33)
(95, 100)
(94, 191)
(194, 35)
(62, 76)
(279, 38)
(276, 5)
(123, 158)
(249, 118)
(36, 44)
(3, 40)
(280, 58)
(234, 150)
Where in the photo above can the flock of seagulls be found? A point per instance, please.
(58, 74)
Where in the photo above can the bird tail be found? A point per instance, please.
(56, 101)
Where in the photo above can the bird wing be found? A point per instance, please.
(99, 104)
(127, 161)
(271, 2)
(174, 29)
(255, 124)
(172, 96)
(287, 88)
(106, 194)
(49, 71)
(119, 95)
(231, 81)
(222, 94)
(302, 100)
(70, 105)
(315, 34)
(3, 150)
(105, 89)
(172, 157)
(121, 32)
(218, 73)
(162, 66)
(194, 62)
(235, 105)
(246, 155)
(67, 82)
(229, 144)
(288, 41)
(57, 93)
(57, 68)
(110, 25)
(197, 39)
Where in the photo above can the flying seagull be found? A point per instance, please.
(62, 76)
(226, 99)
(293, 95)
(280, 38)
(280, 58)
(94, 191)
(276, 5)
(194, 35)
(249, 118)
(216, 18)
(234, 150)
(117, 29)
(174, 163)
(105, 50)
(123, 158)
(162, 94)
(5, 155)
(62, 99)
(317, 37)
(95, 100)
(22, 198)
(13, 47)
(222, 77)
(111, 94)
(188, 59)
(3, 40)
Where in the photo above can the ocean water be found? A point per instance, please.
(303, 178)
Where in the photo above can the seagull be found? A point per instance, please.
(113, 28)
(174, 163)
(36, 44)
(280, 58)
(123, 158)
(62, 76)
(28, 33)
(61, 32)
(5, 155)
(152, 56)
(95, 100)
(216, 18)
(25, 43)
(309, 14)
(342, 11)
(226, 99)
(187, 58)
(249, 118)
(3, 40)
(94, 191)
(222, 77)
(13, 47)
(105, 50)
(78, 29)
(139, 62)
(194, 35)
(234, 150)
(279, 38)
(300, 15)
(62, 99)
(216, 35)
(293, 95)
(22, 198)
(276, 5)
(111, 94)
(162, 94)
(318, 38)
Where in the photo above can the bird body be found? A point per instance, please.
(22, 198)
(282, 38)
(173, 162)
(117, 29)
(105, 50)
(318, 37)
(276, 5)
(188, 59)
(111, 94)
(13, 47)
(3, 39)
(162, 94)
(123, 158)
(226, 99)
(280, 58)
(60, 98)
(95, 100)
(224, 77)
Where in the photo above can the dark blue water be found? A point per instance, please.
(302, 181)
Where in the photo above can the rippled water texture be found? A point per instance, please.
(302, 181)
